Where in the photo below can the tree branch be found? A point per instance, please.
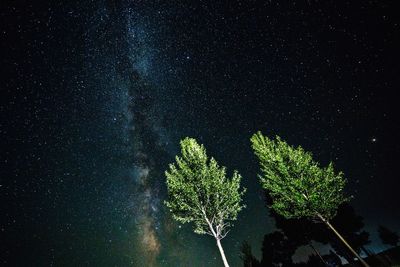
(209, 223)
(223, 235)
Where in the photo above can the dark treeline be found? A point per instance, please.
(279, 246)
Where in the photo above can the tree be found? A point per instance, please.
(350, 225)
(298, 230)
(301, 233)
(387, 236)
(199, 192)
(298, 185)
(247, 256)
(277, 250)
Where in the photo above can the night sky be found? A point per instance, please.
(95, 96)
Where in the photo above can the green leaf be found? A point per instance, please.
(299, 187)
(198, 189)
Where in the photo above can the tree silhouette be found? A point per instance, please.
(277, 250)
(294, 233)
(387, 236)
(299, 231)
(350, 226)
(247, 256)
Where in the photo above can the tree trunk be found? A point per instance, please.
(343, 240)
(319, 255)
(221, 250)
(216, 234)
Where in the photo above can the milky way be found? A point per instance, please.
(123, 66)
(132, 60)
(99, 93)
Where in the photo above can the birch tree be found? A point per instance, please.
(199, 193)
(298, 185)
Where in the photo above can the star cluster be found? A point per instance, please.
(97, 95)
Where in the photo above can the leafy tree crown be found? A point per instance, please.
(198, 190)
(299, 187)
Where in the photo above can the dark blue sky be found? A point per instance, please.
(96, 96)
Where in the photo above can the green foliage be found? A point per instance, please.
(299, 187)
(198, 190)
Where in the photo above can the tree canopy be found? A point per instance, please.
(298, 185)
(198, 190)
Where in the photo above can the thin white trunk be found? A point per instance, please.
(343, 240)
(216, 233)
(221, 250)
